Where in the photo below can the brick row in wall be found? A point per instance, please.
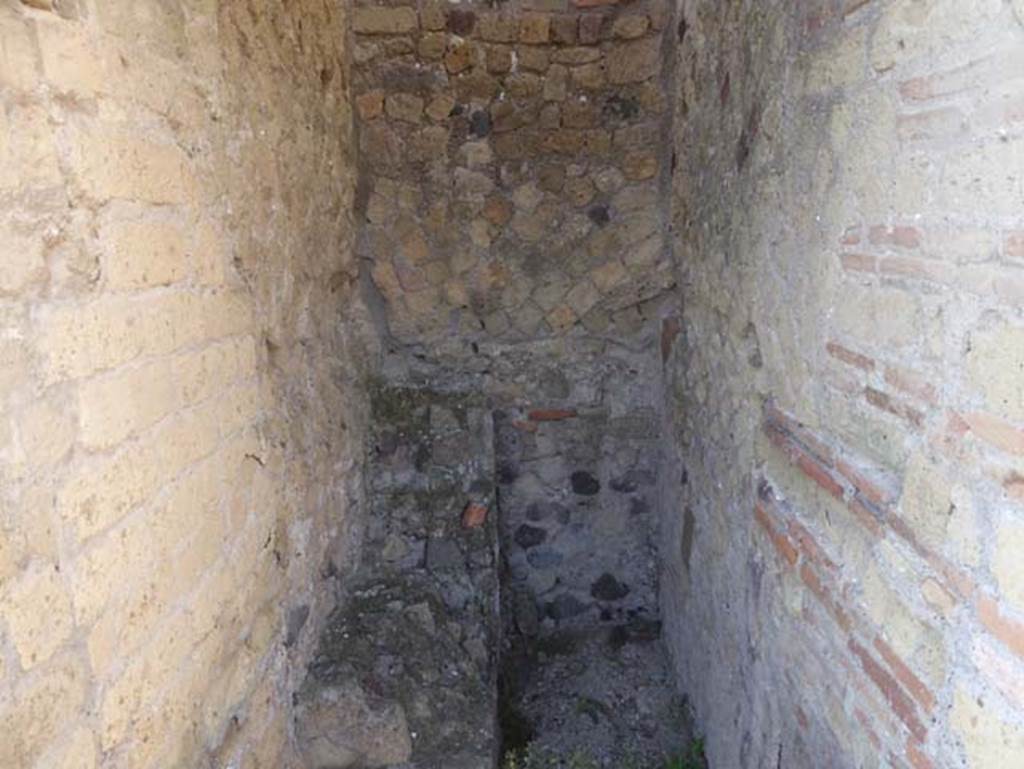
(848, 203)
(871, 615)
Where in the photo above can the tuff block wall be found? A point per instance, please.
(180, 348)
(843, 584)
(511, 167)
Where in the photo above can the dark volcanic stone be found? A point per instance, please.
(625, 484)
(599, 215)
(637, 630)
(527, 536)
(607, 588)
(562, 513)
(444, 555)
(622, 107)
(481, 487)
(541, 511)
(296, 620)
(507, 473)
(544, 559)
(422, 457)
(526, 614)
(565, 606)
(538, 511)
(480, 124)
(584, 483)
(387, 443)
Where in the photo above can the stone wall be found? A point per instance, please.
(511, 163)
(575, 474)
(180, 419)
(406, 669)
(843, 584)
(578, 458)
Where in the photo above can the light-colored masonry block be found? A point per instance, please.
(163, 251)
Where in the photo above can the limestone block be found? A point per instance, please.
(37, 609)
(988, 740)
(630, 26)
(1007, 565)
(634, 62)
(384, 21)
(534, 28)
(994, 364)
(39, 712)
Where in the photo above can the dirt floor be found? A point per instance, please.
(596, 697)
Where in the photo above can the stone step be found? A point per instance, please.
(405, 674)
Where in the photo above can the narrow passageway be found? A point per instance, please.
(513, 215)
(511, 384)
(505, 610)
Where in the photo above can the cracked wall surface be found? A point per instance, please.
(843, 584)
(181, 430)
